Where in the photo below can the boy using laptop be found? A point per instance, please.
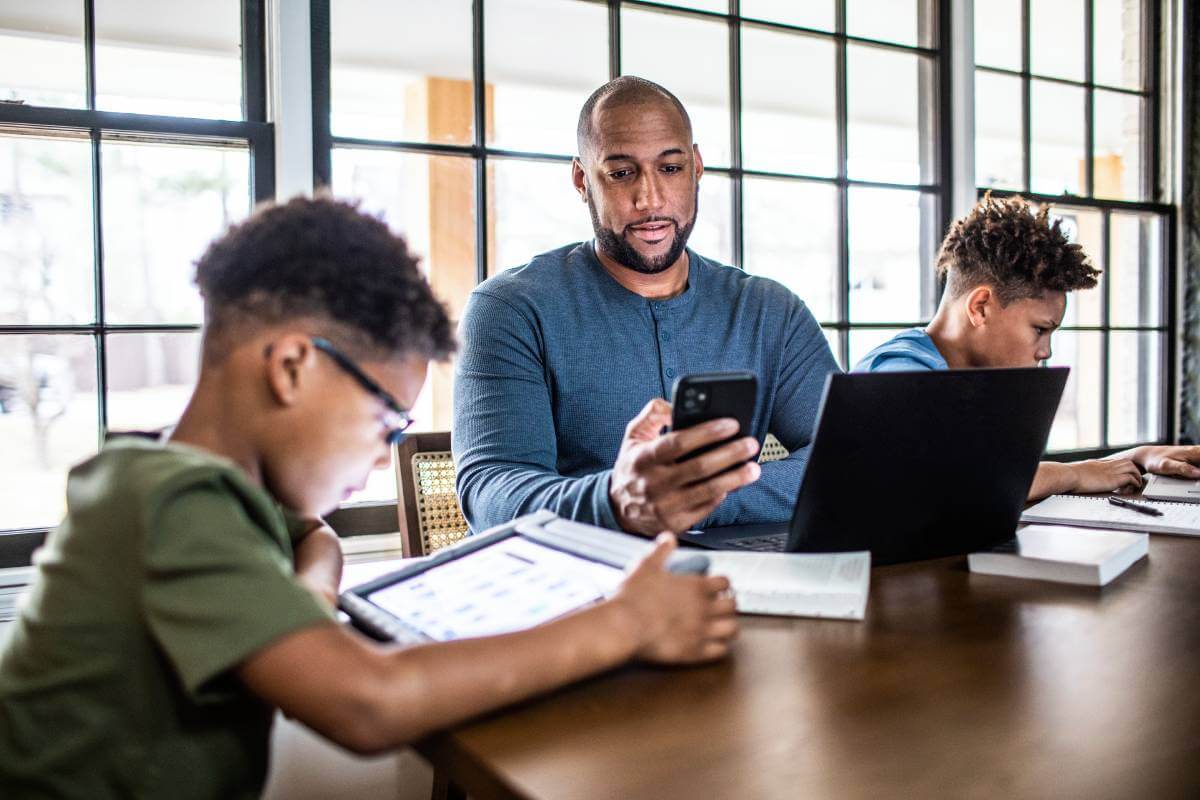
(178, 604)
(1008, 271)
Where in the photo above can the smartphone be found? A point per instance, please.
(713, 395)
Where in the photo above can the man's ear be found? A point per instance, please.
(288, 362)
(698, 159)
(579, 178)
(980, 305)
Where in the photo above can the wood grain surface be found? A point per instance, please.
(955, 685)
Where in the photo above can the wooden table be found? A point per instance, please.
(956, 685)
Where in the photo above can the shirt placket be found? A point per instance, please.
(668, 360)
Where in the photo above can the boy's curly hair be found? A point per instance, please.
(324, 260)
(1022, 254)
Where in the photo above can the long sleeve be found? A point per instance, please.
(807, 361)
(505, 443)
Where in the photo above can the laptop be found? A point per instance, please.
(914, 465)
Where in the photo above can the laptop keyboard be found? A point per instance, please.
(771, 543)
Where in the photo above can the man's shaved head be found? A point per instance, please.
(625, 90)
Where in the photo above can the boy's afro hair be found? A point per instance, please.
(322, 258)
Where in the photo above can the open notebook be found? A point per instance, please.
(1096, 512)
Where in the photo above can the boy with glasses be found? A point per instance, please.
(179, 603)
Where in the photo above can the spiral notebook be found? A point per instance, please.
(1182, 519)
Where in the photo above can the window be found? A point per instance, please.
(130, 135)
(817, 123)
(1066, 111)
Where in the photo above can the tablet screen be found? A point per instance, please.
(511, 585)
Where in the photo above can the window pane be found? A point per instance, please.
(790, 232)
(998, 148)
(1135, 269)
(170, 57)
(150, 378)
(48, 422)
(892, 250)
(544, 57)
(713, 235)
(809, 14)
(1056, 35)
(46, 252)
(864, 341)
(1118, 170)
(1135, 386)
(534, 208)
(719, 6)
(998, 33)
(162, 205)
(1085, 228)
(41, 53)
(1057, 133)
(834, 337)
(1077, 423)
(1117, 43)
(690, 57)
(429, 200)
(890, 116)
(395, 80)
(903, 21)
(788, 125)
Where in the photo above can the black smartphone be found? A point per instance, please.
(713, 395)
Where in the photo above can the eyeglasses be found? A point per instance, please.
(397, 420)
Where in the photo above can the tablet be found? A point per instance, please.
(519, 575)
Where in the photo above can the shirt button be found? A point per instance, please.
(670, 372)
(666, 336)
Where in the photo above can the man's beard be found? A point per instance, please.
(619, 250)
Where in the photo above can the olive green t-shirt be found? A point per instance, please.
(169, 569)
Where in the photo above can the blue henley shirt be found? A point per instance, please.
(557, 357)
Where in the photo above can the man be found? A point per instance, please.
(559, 354)
(1008, 272)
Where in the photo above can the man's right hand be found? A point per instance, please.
(650, 492)
(676, 619)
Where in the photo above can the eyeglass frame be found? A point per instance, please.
(395, 433)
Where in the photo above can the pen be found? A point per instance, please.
(1138, 507)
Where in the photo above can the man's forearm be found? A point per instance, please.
(772, 498)
(492, 494)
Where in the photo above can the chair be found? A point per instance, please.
(430, 517)
(772, 450)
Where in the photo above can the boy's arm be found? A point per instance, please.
(369, 698)
(1180, 461)
(318, 560)
(1084, 477)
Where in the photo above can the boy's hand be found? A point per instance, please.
(1106, 475)
(1180, 461)
(650, 492)
(677, 618)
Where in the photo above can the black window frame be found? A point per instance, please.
(1152, 177)
(17, 545)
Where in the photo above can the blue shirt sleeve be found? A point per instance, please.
(900, 363)
(807, 360)
(504, 437)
